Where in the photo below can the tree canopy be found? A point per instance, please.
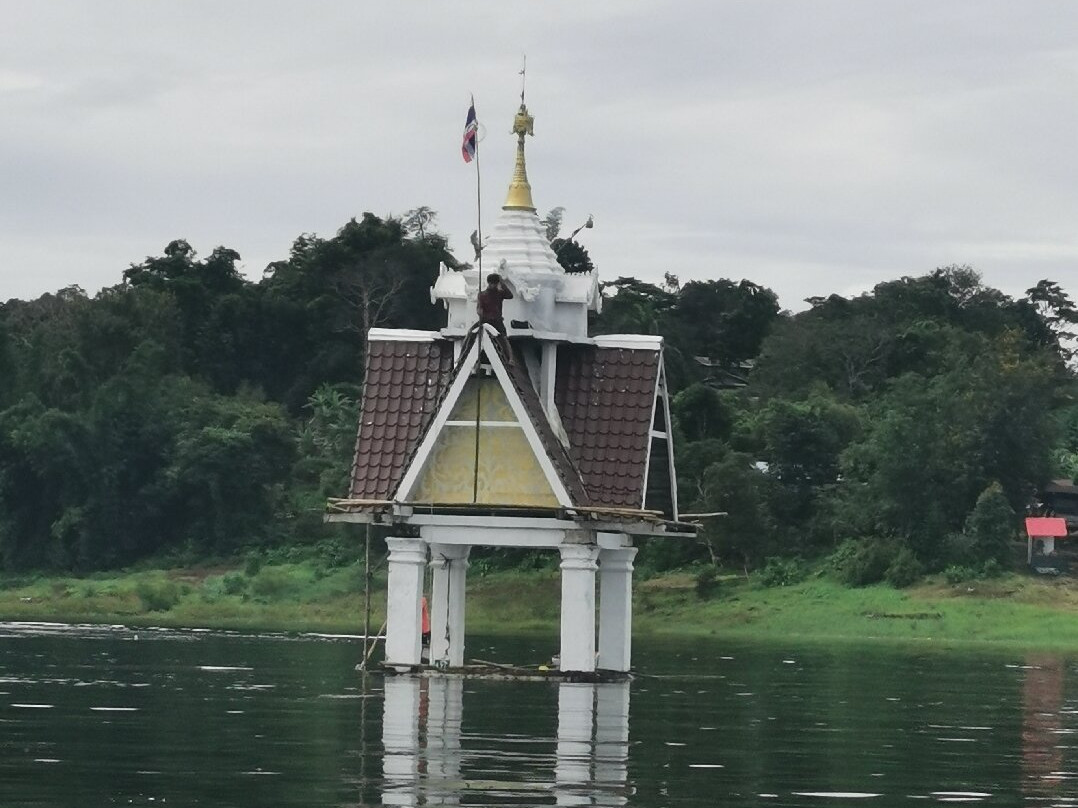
(189, 410)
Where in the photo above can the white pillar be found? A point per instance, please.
(449, 563)
(616, 608)
(407, 560)
(578, 606)
(572, 767)
(400, 741)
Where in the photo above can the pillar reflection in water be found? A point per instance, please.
(422, 744)
(445, 706)
(403, 709)
(421, 740)
(593, 744)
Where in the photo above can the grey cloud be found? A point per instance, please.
(811, 147)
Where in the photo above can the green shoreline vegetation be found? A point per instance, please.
(873, 454)
(1010, 611)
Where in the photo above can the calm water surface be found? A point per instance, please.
(96, 717)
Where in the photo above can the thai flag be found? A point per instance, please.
(471, 130)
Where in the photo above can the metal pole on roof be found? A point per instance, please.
(366, 593)
(478, 402)
(478, 201)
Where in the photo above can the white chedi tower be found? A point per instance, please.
(548, 302)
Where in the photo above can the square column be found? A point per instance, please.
(449, 563)
(616, 608)
(578, 606)
(407, 561)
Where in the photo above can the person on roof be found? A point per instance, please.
(489, 308)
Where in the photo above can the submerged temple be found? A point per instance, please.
(563, 445)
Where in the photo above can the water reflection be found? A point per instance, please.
(423, 760)
(1042, 701)
(91, 717)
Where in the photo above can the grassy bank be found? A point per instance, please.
(1012, 611)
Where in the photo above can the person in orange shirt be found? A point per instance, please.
(425, 623)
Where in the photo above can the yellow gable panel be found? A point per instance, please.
(486, 394)
(509, 473)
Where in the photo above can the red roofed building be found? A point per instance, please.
(564, 445)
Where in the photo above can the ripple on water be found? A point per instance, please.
(960, 796)
(839, 795)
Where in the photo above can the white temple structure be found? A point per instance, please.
(565, 446)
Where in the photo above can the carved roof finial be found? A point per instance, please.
(520, 191)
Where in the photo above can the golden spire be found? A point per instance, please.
(520, 192)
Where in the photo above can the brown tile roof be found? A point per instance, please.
(403, 384)
(605, 398)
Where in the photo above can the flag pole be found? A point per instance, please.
(478, 199)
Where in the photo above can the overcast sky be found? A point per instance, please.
(811, 147)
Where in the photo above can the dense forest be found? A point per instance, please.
(188, 412)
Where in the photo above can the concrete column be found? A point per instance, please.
(578, 606)
(449, 563)
(407, 560)
(572, 768)
(400, 741)
(616, 608)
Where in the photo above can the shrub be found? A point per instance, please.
(959, 550)
(271, 584)
(234, 584)
(904, 570)
(958, 573)
(990, 526)
(782, 572)
(963, 573)
(707, 581)
(337, 553)
(158, 596)
(253, 565)
(864, 562)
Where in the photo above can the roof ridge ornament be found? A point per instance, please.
(520, 191)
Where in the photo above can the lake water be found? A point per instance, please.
(97, 717)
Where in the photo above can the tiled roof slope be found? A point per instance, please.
(605, 398)
(404, 382)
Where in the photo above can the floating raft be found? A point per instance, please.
(498, 671)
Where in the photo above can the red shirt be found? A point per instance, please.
(490, 302)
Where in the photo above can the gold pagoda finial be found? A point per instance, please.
(520, 192)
